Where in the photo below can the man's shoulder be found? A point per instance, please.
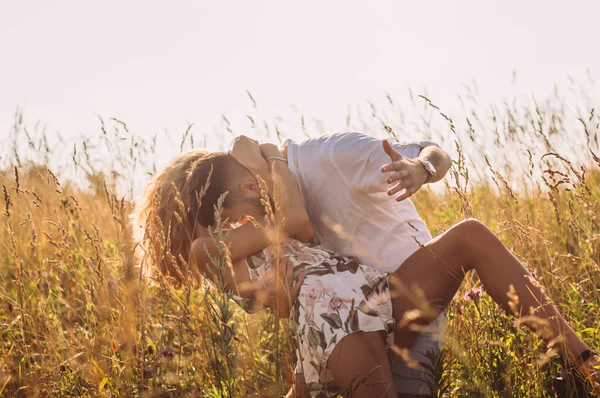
(358, 144)
(335, 141)
(333, 138)
(319, 157)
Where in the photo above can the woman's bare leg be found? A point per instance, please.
(359, 363)
(438, 269)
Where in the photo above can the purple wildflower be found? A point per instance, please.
(474, 294)
(166, 352)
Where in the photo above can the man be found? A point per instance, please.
(345, 183)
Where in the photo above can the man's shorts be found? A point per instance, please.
(418, 381)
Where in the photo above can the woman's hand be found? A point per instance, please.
(248, 153)
(280, 289)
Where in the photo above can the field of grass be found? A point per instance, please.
(76, 319)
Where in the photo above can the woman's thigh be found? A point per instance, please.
(359, 363)
(426, 282)
(433, 272)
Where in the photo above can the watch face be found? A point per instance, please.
(429, 168)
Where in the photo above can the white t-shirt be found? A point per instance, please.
(344, 190)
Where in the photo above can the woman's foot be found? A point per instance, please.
(589, 370)
(580, 376)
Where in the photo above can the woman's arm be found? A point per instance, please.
(241, 242)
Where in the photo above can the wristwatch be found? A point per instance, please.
(429, 168)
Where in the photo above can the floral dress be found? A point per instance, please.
(338, 297)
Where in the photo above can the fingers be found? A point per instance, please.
(405, 175)
(295, 290)
(402, 185)
(300, 280)
(407, 194)
(289, 277)
(396, 166)
(244, 138)
(391, 152)
(244, 143)
(397, 176)
(283, 272)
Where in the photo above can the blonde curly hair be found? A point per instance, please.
(163, 231)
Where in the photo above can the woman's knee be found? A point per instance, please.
(467, 236)
(472, 225)
(471, 230)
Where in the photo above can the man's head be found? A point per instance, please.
(220, 173)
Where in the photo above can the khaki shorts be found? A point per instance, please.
(426, 350)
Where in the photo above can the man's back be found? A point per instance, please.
(345, 194)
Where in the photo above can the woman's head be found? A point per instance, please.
(163, 231)
(211, 177)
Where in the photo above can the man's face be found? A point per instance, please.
(242, 210)
(244, 201)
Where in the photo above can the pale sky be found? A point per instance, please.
(162, 65)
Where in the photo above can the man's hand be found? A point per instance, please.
(408, 174)
(248, 153)
(270, 150)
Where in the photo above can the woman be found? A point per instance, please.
(342, 309)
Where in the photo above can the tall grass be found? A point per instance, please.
(77, 319)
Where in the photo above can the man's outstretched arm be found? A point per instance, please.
(358, 159)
